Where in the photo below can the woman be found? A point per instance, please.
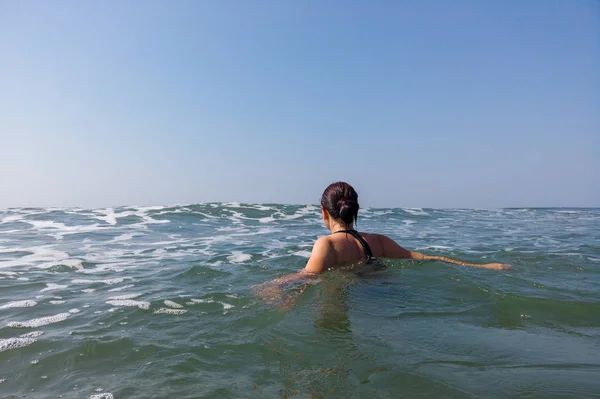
(339, 207)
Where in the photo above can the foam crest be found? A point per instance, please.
(33, 334)
(12, 219)
(170, 311)
(105, 395)
(110, 281)
(415, 211)
(304, 254)
(263, 207)
(125, 296)
(125, 287)
(14, 343)
(302, 212)
(60, 230)
(226, 305)
(383, 212)
(125, 237)
(172, 304)
(52, 287)
(442, 247)
(42, 321)
(194, 301)
(47, 224)
(44, 255)
(129, 302)
(142, 213)
(239, 258)
(19, 304)
(107, 215)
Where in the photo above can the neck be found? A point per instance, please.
(337, 226)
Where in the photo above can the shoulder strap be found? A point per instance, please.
(365, 244)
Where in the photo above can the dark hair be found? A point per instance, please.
(341, 202)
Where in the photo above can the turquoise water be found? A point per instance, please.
(158, 302)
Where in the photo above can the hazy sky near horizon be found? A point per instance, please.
(417, 104)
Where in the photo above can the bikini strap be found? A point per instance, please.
(363, 242)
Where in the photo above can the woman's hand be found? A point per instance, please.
(497, 266)
(269, 292)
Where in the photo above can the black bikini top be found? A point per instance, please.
(366, 248)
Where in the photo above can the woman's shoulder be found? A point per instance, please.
(374, 236)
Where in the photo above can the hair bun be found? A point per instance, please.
(348, 208)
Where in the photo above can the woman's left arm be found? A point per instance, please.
(322, 257)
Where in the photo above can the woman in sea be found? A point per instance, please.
(346, 246)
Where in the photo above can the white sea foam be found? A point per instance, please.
(172, 304)
(74, 311)
(443, 247)
(19, 304)
(239, 258)
(107, 281)
(125, 296)
(33, 334)
(47, 224)
(59, 230)
(125, 287)
(57, 302)
(14, 343)
(52, 287)
(142, 213)
(263, 207)
(194, 301)
(11, 219)
(226, 305)
(384, 212)
(105, 395)
(126, 237)
(42, 321)
(170, 311)
(304, 254)
(107, 215)
(43, 256)
(129, 302)
(415, 211)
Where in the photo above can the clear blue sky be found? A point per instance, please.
(415, 103)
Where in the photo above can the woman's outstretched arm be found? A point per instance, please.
(321, 258)
(392, 250)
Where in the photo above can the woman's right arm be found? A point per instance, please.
(392, 250)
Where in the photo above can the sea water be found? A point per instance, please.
(162, 302)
